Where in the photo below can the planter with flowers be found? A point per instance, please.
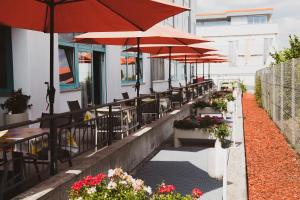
(16, 106)
(120, 185)
(199, 128)
(205, 108)
(218, 154)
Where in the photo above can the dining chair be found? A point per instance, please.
(61, 123)
(12, 175)
(78, 119)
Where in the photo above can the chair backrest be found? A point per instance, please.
(151, 90)
(59, 122)
(125, 95)
(75, 106)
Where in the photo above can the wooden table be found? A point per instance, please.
(18, 135)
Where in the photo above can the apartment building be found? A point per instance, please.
(246, 36)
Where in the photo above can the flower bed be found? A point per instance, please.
(200, 128)
(117, 184)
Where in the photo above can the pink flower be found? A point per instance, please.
(197, 193)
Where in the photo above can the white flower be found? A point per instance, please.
(111, 185)
(110, 173)
(79, 198)
(123, 182)
(137, 184)
(91, 190)
(148, 190)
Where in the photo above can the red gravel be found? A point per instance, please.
(273, 166)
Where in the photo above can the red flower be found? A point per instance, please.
(197, 193)
(88, 181)
(166, 188)
(77, 185)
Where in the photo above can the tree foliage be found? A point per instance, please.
(293, 51)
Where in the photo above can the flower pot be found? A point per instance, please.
(199, 134)
(217, 160)
(15, 118)
(208, 111)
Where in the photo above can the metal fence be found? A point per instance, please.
(281, 97)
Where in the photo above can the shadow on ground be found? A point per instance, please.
(183, 174)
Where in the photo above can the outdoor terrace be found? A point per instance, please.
(86, 144)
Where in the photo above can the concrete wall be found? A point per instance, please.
(127, 153)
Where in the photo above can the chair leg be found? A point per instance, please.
(37, 169)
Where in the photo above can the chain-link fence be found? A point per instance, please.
(280, 96)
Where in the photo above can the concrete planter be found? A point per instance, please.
(208, 111)
(15, 118)
(230, 106)
(198, 134)
(217, 160)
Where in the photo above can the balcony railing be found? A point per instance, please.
(29, 153)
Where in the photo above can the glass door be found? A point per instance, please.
(85, 64)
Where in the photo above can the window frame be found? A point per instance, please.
(126, 81)
(78, 47)
(9, 64)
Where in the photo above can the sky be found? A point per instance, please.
(286, 13)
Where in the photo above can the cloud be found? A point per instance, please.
(286, 13)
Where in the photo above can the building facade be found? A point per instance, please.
(91, 74)
(246, 36)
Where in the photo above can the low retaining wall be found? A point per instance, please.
(127, 153)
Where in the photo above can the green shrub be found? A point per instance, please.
(243, 87)
(258, 91)
(229, 97)
(221, 132)
(201, 104)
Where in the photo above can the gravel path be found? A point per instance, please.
(273, 166)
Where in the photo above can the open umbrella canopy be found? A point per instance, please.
(157, 34)
(163, 49)
(204, 61)
(87, 15)
(189, 55)
(198, 58)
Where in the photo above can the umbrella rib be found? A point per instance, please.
(117, 13)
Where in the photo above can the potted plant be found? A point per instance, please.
(195, 128)
(218, 154)
(220, 104)
(203, 107)
(16, 106)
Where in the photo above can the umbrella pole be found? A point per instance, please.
(190, 72)
(208, 70)
(185, 73)
(203, 71)
(138, 69)
(196, 69)
(170, 83)
(51, 93)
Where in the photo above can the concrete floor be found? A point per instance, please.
(184, 167)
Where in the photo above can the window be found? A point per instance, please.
(267, 45)
(158, 69)
(6, 74)
(257, 19)
(233, 52)
(66, 66)
(128, 67)
(215, 23)
(174, 70)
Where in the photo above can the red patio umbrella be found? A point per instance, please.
(190, 55)
(164, 49)
(62, 16)
(204, 60)
(158, 34)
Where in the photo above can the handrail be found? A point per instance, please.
(95, 107)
